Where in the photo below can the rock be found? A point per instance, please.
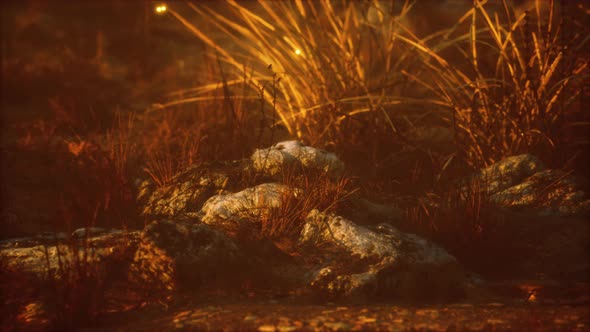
(188, 190)
(376, 262)
(48, 237)
(289, 154)
(549, 192)
(508, 172)
(244, 210)
(181, 255)
(33, 257)
(523, 182)
(145, 188)
(19, 242)
(80, 233)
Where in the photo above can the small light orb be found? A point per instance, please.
(160, 9)
(298, 52)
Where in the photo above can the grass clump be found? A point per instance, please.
(325, 84)
(462, 219)
(521, 89)
(313, 190)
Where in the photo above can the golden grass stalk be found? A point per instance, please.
(316, 191)
(348, 66)
(518, 88)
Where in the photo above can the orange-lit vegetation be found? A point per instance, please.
(520, 90)
(503, 80)
(502, 84)
(355, 77)
(314, 191)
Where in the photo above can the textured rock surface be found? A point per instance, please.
(188, 190)
(376, 262)
(509, 172)
(31, 255)
(550, 192)
(239, 211)
(181, 255)
(284, 155)
(523, 182)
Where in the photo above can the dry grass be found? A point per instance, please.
(324, 80)
(523, 78)
(315, 190)
(74, 292)
(463, 220)
(505, 84)
(358, 87)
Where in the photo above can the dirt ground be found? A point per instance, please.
(274, 316)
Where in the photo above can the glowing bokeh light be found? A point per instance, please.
(160, 9)
(298, 51)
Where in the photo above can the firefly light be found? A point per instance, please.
(298, 51)
(161, 9)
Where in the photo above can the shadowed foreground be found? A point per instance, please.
(274, 316)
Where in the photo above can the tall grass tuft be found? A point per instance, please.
(314, 190)
(463, 219)
(327, 79)
(523, 79)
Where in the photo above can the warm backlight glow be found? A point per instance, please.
(298, 51)
(160, 9)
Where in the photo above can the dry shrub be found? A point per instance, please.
(221, 126)
(74, 290)
(462, 219)
(83, 284)
(97, 187)
(15, 292)
(68, 295)
(314, 190)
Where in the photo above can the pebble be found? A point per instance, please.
(267, 328)
(495, 304)
(338, 326)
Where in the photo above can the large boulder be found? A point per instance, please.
(289, 155)
(376, 262)
(175, 255)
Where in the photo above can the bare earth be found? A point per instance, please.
(273, 316)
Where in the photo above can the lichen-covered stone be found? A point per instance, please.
(285, 155)
(181, 255)
(188, 190)
(508, 172)
(523, 182)
(32, 255)
(376, 262)
(550, 192)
